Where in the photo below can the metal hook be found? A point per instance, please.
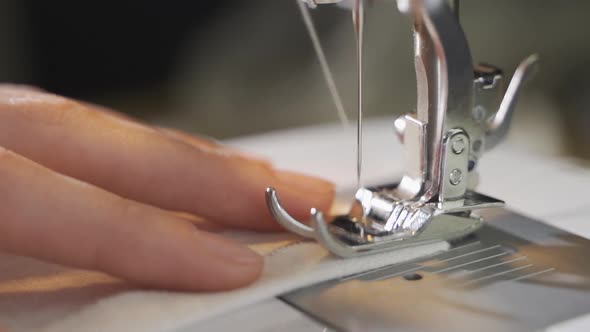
(498, 125)
(284, 218)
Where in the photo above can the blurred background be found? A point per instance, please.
(231, 68)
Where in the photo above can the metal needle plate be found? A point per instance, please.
(513, 274)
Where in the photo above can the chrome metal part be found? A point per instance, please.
(458, 116)
(282, 217)
(384, 223)
(414, 140)
(512, 274)
(455, 167)
(498, 125)
(315, 3)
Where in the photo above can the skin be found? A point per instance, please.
(86, 187)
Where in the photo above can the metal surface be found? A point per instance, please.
(364, 232)
(282, 217)
(499, 124)
(443, 143)
(410, 128)
(444, 73)
(513, 274)
(453, 188)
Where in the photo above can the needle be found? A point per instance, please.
(358, 19)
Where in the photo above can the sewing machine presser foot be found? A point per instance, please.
(384, 223)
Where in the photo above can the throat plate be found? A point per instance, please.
(513, 274)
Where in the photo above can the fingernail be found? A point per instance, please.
(229, 251)
(304, 183)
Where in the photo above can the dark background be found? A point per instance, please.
(227, 68)
(80, 48)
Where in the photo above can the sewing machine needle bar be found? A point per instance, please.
(327, 72)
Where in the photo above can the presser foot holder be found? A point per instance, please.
(386, 224)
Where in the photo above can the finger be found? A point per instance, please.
(199, 142)
(208, 144)
(142, 164)
(196, 141)
(53, 217)
(201, 223)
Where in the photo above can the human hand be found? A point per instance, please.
(85, 187)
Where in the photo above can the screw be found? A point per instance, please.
(477, 146)
(458, 145)
(413, 277)
(479, 113)
(456, 176)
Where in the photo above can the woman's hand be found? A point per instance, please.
(86, 187)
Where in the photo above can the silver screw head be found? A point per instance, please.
(458, 145)
(479, 113)
(456, 176)
(477, 146)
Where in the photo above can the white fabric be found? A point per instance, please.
(38, 296)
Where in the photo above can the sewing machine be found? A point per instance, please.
(504, 271)
(501, 270)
